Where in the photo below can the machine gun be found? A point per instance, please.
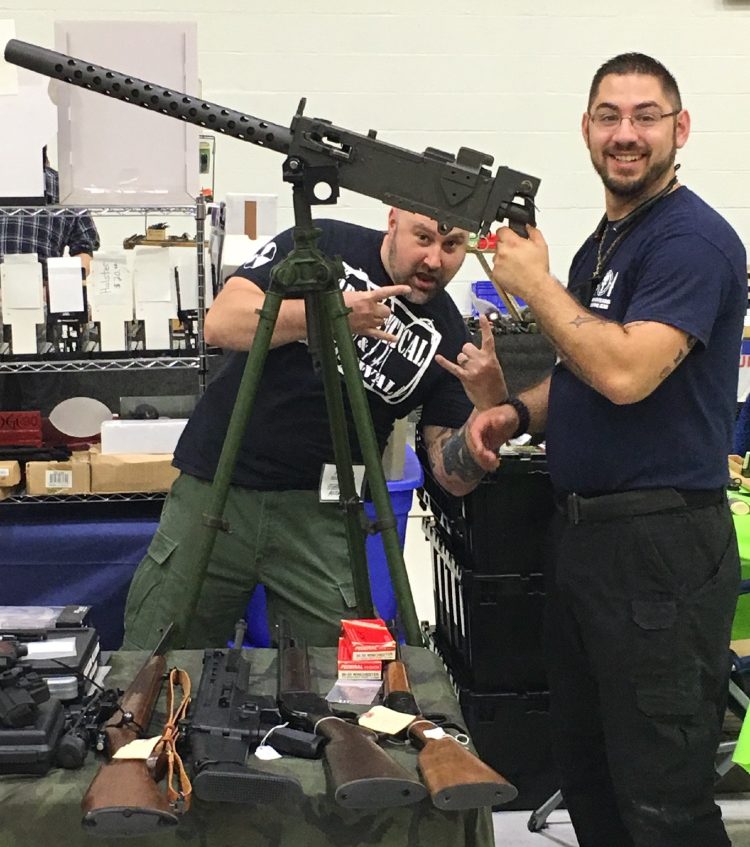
(454, 776)
(123, 798)
(362, 774)
(226, 720)
(456, 191)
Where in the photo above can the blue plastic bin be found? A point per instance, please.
(402, 493)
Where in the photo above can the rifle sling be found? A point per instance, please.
(179, 794)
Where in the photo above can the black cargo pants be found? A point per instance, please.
(637, 630)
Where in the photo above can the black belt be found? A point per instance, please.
(644, 501)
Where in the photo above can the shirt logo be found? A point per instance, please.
(392, 370)
(266, 254)
(602, 298)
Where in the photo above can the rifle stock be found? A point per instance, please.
(123, 799)
(363, 775)
(454, 776)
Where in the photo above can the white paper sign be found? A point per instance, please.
(65, 284)
(21, 280)
(153, 277)
(110, 282)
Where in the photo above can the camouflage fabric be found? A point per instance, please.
(46, 810)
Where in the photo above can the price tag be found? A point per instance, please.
(383, 719)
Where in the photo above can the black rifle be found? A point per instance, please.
(226, 720)
(362, 774)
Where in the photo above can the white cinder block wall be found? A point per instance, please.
(509, 79)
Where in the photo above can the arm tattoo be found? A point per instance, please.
(450, 445)
(682, 354)
(580, 320)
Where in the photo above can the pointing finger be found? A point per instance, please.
(386, 291)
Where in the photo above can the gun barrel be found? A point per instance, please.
(149, 95)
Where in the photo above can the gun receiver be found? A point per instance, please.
(225, 721)
(123, 798)
(363, 775)
(456, 191)
(454, 776)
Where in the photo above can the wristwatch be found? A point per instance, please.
(522, 410)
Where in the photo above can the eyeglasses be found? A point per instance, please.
(646, 119)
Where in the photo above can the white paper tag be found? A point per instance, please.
(4, 473)
(435, 732)
(266, 753)
(329, 482)
(138, 748)
(383, 719)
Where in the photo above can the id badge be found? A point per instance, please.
(329, 483)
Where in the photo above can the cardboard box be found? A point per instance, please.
(135, 437)
(10, 474)
(349, 668)
(368, 639)
(114, 473)
(71, 477)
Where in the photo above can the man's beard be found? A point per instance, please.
(630, 189)
(403, 277)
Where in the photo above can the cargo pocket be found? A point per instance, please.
(667, 683)
(146, 605)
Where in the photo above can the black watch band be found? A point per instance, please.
(522, 410)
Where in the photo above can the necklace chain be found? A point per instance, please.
(625, 225)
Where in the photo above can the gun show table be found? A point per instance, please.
(47, 809)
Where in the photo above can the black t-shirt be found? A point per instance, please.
(288, 438)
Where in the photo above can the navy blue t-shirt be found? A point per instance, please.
(288, 437)
(682, 265)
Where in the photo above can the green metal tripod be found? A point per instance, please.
(307, 273)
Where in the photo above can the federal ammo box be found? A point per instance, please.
(511, 734)
(488, 628)
(500, 527)
(31, 749)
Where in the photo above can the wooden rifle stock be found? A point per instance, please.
(454, 776)
(123, 798)
(363, 775)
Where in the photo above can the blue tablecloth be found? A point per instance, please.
(75, 561)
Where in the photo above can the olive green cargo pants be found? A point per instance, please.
(287, 540)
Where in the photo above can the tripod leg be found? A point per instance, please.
(350, 501)
(213, 517)
(337, 313)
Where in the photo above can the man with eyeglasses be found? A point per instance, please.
(638, 415)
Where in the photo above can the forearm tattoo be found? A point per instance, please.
(451, 447)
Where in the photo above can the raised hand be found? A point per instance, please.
(370, 312)
(479, 370)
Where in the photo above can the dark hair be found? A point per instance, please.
(637, 63)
